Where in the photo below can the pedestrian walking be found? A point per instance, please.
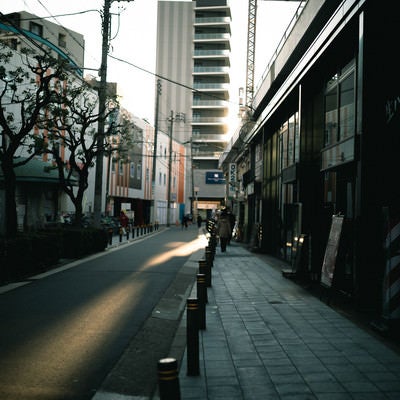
(224, 230)
(232, 221)
(184, 222)
(123, 220)
(199, 220)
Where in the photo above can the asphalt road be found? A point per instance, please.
(95, 326)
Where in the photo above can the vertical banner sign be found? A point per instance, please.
(232, 178)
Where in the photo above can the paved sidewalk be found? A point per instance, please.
(267, 338)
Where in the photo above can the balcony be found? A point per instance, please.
(211, 53)
(206, 155)
(208, 138)
(209, 120)
(212, 21)
(211, 86)
(209, 104)
(198, 37)
(211, 70)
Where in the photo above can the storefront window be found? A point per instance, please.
(290, 141)
(347, 108)
(331, 117)
(296, 138)
(284, 142)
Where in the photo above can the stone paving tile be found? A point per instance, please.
(266, 338)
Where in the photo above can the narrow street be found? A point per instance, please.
(62, 333)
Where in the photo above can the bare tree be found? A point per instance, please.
(27, 88)
(72, 127)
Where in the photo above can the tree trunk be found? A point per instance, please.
(10, 203)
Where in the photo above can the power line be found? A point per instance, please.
(171, 80)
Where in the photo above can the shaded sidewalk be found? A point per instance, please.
(268, 338)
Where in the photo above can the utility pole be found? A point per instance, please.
(171, 119)
(98, 184)
(179, 117)
(153, 179)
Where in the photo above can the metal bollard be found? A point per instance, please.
(120, 234)
(168, 381)
(210, 250)
(204, 268)
(209, 257)
(201, 295)
(192, 337)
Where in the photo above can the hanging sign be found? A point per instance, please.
(232, 179)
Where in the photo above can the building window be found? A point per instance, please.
(132, 170)
(160, 178)
(139, 171)
(284, 145)
(290, 141)
(120, 167)
(62, 40)
(165, 179)
(36, 28)
(340, 118)
(340, 106)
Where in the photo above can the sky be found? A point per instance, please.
(133, 39)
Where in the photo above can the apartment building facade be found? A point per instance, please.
(193, 57)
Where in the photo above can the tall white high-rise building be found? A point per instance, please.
(193, 61)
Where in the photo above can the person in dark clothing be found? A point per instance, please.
(224, 230)
(232, 220)
(199, 220)
(184, 222)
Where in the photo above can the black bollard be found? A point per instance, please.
(205, 269)
(168, 381)
(209, 257)
(110, 235)
(201, 295)
(120, 234)
(210, 250)
(192, 337)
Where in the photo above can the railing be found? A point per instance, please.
(209, 154)
(213, 103)
(216, 52)
(209, 36)
(209, 120)
(281, 43)
(201, 138)
(221, 86)
(211, 20)
(210, 69)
